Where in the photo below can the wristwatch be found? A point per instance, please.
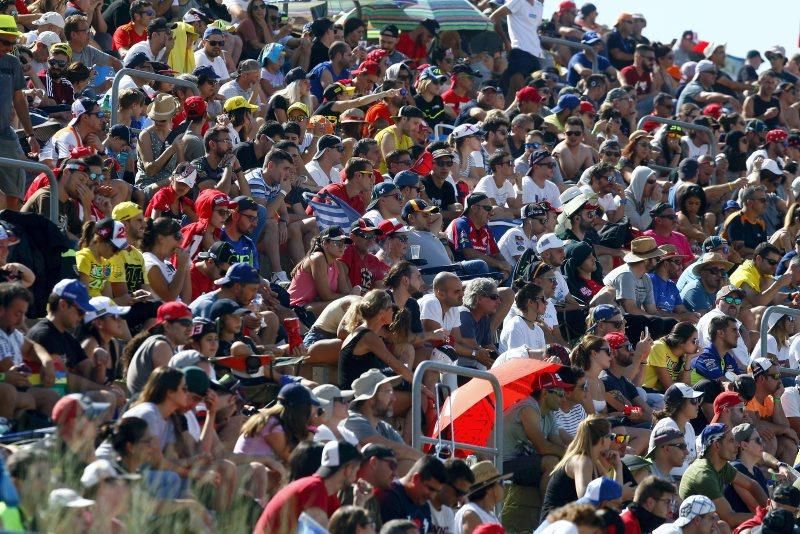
(474, 353)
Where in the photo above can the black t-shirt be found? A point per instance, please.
(246, 154)
(319, 54)
(621, 384)
(205, 172)
(441, 197)
(326, 110)
(396, 504)
(58, 344)
(433, 110)
(117, 14)
(616, 41)
(277, 102)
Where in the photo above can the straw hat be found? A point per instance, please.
(711, 258)
(643, 248)
(486, 474)
(164, 107)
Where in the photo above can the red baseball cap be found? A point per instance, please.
(367, 67)
(67, 408)
(377, 55)
(550, 381)
(776, 136)
(726, 399)
(195, 107)
(586, 107)
(390, 227)
(172, 311)
(615, 339)
(529, 94)
(713, 110)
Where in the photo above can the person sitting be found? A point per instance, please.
(766, 414)
(407, 497)
(210, 266)
(520, 328)
(161, 242)
(484, 496)
(100, 241)
(709, 273)
(650, 507)
(756, 277)
(385, 203)
(716, 361)
(499, 186)
(785, 500)
(668, 362)
(100, 335)
(364, 269)
(665, 292)
(172, 201)
(666, 452)
(471, 238)
(393, 243)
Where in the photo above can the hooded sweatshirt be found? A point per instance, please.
(206, 202)
(636, 210)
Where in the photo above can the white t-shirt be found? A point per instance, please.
(325, 434)
(740, 352)
(514, 243)
(488, 186)
(144, 46)
(523, 21)
(607, 202)
(562, 289)
(431, 309)
(11, 346)
(444, 520)
(317, 174)
(516, 333)
(550, 317)
(790, 401)
(533, 193)
(218, 64)
(688, 437)
(166, 268)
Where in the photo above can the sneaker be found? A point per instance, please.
(280, 277)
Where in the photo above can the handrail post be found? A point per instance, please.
(39, 167)
(147, 76)
(573, 45)
(418, 439)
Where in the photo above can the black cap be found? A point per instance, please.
(335, 455)
(202, 326)
(373, 450)
(391, 30)
(244, 202)
(160, 25)
(659, 209)
(221, 252)
(464, 68)
(204, 73)
(411, 112)
(334, 233)
(532, 210)
(227, 307)
(297, 73)
(745, 386)
(431, 25)
(364, 225)
(754, 53)
(473, 199)
(489, 85)
(788, 495)
(136, 60)
(709, 388)
(328, 141)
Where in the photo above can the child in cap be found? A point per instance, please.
(99, 242)
(172, 201)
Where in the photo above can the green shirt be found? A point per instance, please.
(701, 478)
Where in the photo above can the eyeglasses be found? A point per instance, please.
(251, 218)
(619, 438)
(573, 133)
(551, 164)
(216, 43)
(615, 324)
(98, 114)
(439, 163)
(557, 392)
(57, 62)
(222, 211)
(340, 148)
(493, 296)
(670, 216)
(733, 300)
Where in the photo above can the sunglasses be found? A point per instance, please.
(715, 272)
(216, 43)
(573, 133)
(619, 438)
(681, 446)
(557, 392)
(340, 148)
(148, 12)
(493, 296)
(98, 114)
(733, 300)
(671, 217)
(364, 235)
(616, 324)
(320, 412)
(183, 322)
(551, 164)
(487, 209)
(772, 262)
(57, 62)
(222, 211)
(448, 163)
(611, 154)
(96, 176)
(533, 146)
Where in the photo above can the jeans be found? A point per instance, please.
(474, 267)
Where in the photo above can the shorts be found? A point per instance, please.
(316, 334)
(12, 179)
(527, 469)
(521, 62)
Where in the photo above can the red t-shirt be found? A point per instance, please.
(59, 89)
(125, 36)
(162, 201)
(364, 271)
(200, 283)
(463, 234)
(450, 98)
(282, 511)
(415, 51)
(339, 191)
(641, 82)
(22, 7)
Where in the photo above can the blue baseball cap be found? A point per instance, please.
(212, 31)
(416, 205)
(711, 434)
(75, 292)
(604, 312)
(568, 101)
(731, 205)
(381, 190)
(295, 394)
(206, 71)
(601, 489)
(239, 273)
(590, 38)
(406, 179)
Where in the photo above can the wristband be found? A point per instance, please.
(285, 193)
(2, 377)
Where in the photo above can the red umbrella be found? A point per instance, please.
(473, 404)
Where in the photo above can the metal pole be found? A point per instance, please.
(572, 45)
(38, 167)
(147, 76)
(712, 145)
(417, 438)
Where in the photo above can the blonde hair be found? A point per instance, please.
(590, 432)
(292, 93)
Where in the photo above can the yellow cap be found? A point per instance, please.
(298, 105)
(8, 26)
(238, 102)
(64, 48)
(125, 211)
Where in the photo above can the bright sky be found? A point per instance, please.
(744, 25)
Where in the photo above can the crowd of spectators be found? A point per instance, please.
(254, 252)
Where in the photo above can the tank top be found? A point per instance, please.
(760, 107)
(352, 366)
(302, 289)
(159, 145)
(401, 142)
(560, 491)
(141, 366)
(487, 518)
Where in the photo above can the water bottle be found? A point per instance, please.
(292, 327)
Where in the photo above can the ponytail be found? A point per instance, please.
(148, 235)
(87, 233)
(316, 246)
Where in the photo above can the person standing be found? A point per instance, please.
(523, 18)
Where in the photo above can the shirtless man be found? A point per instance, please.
(572, 155)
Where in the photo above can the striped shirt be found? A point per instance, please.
(569, 421)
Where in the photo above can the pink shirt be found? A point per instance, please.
(302, 289)
(678, 240)
(257, 445)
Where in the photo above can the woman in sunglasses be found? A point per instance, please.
(681, 405)
(160, 241)
(99, 242)
(781, 328)
(668, 360)
(643, 194)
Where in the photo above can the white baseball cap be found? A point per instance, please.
(48, 38)
(694, 506)
(547, 242)
(67, 498)
(101, 470)
(51, 17)
(104, 306)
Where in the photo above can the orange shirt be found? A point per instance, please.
(765, 410)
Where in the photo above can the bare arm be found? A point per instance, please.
(531, 424)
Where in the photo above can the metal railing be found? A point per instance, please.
(38, 167)
(572, 45)
(764, 330)
(418, 438)
(147, 76)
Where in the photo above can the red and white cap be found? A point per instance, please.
(113, 232)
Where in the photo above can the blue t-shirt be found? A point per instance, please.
(244, 249)
(625, 44)
(709, 364)
(316, 74)
(665, 293)
(580, 58)
(695, 297)
(783, 265)
(737, 504)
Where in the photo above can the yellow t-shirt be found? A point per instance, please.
(98, 271)
(129, 265)
(553, 120)
(748, 273)
(660, 356)
(402, 143)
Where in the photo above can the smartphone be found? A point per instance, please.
(362, 44)
(646, 331)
